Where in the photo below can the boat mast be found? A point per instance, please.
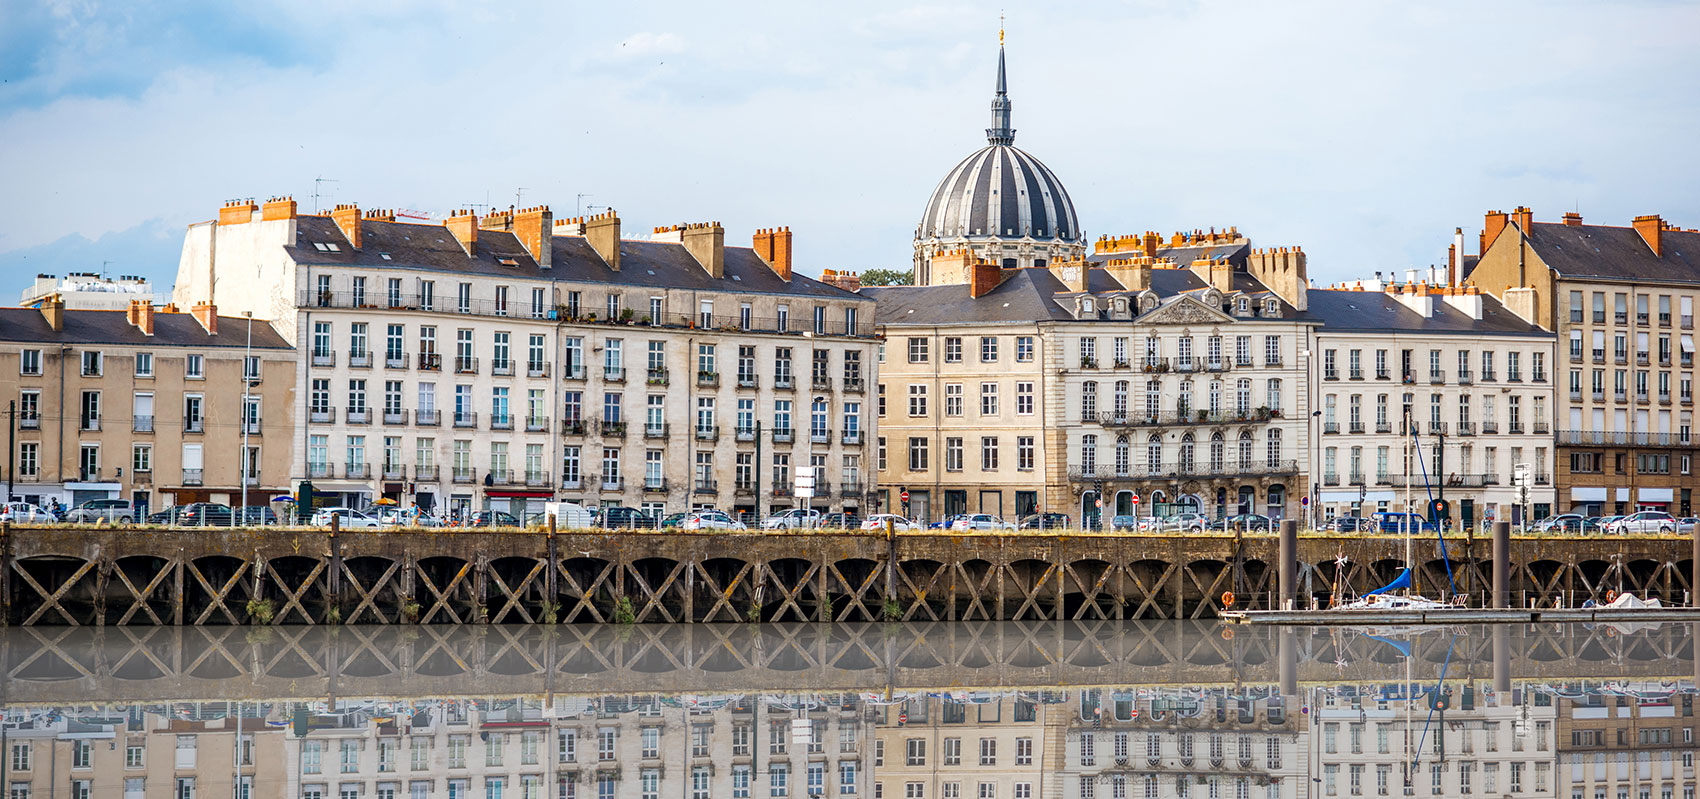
(1405, 522)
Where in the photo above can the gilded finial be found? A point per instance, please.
(1000, 28)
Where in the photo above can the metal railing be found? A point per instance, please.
(193, 477)
(425, 474)
(537, 479)
(466, 365)
(361, 359)
(395, 360)
(1113, 419)
(320, 470)
(357, 416)
(1623, 438)
(1169, 471)
(536, 369)
(465, 476)
(429, 418)
(502, 367)
(323, 359)
(653, 430)
(29, 420)
(707, 379)
(708, 432)
(501, 421)
(430, 362)
(615, 429)
(573, 427)
(140, 424)
(357, 471)
(466, 419)
(656, 377)
(195, 424)
(748, 380)
(705, 486)
(852, 438)
(395, 417)
(536, 424)
(656, 484)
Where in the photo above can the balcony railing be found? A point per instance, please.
(537, 479)
(1465, 377)
(466, 365)
(655, 484)
(573, 427)
(500, 477)
(429, 418)
(820, 435)
(501, 421)
(430, 362)
(536, 369)
(320, 470)
(821, 383)
(613, 484)
(362, 360)
(784, 381)
(656, 377)
(1437, 428)
(465, 476)
(357, 471)
(536, 424)
(1620, 438)
(1355, 428)
(615, 429)
(324, 359)
(707, 379)
(744, 488)
(851, 488)
(1437, 376)
(1330, 478)
(852, 438)
(92, 423)
(1355, 478)
(572, 482)
(394, 471)
(466, 419)
(1170, 471)
(29, 420)
(1330, 427)
(395, 360)
(614, 374)
(397, 416)
(425, 474)
(1490, 428)
(195, 424)
(140, 424)
(1113, 419)
(357, 416)
(854, 385)
(784, 435)
(744, 433)
(1539, 428)
(706, 485)
(748, 379)
(708, 432)
(503, 367)
(1466, 428)
(193, 477)
(655, 430)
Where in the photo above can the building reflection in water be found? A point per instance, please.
(1124, 712)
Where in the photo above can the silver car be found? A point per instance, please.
(102, 510)
(1647, 521)
(24, 513)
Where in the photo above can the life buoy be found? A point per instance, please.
(1611, 596)
(1227, 633)
(1227, 599)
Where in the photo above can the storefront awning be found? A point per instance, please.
(495, 493)
(1654, 495)
(1588, 494)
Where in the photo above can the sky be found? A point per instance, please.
(1362, 132)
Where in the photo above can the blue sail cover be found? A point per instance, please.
(1402, 581)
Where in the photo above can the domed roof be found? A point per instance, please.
(1000, 191)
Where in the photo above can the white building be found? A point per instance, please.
(87, 291)
(502, 362)
(1475, 380)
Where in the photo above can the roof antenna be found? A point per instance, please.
(317, 182)
(517, 192)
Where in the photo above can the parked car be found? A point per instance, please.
(347, 519)
(840, 521)
(1045, 521)
(493, 518)
(205, 514)
(672, 520)
(1246, 521)
(256, 516)
(1185, 523)
(102, 510)
(1397, 522)
(1647, 521)
(711, 519)
(1349, 524)
(1686, 525)
(620, 517)
(946, 522)
(792, 518)
(24, 512)
(898, 523)
(980, 521)
(1124, 523)
(1562, 523)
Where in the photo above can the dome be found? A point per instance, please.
(1000, 191)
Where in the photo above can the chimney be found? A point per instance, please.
(846, 280)
(1649, 226)
(603, 233)
(1525, 219)
(464, 226)
(1572, 219)
(277, 208)
(773, 247)
(1492, 226)
(347, 219)
(1150, 243)
(1455, 264)
(535, 229)
(53, 310)
(207, 315)
(237, 212)
(706, 242)
(1283, 270)
(983, 276)
(140, 315)
(1216, 272)
(1133, 273)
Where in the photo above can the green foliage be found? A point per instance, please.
(261, 611)
(333, 615)
(410, 611)
(888, 277)
(752, 614)
(893, 610)
(826, 607)
(624, 613)
(551, 611)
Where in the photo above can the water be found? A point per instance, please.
(1107, 710)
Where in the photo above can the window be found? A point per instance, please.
(1024, 450)
(917, 399)
(953, 453)
(144, 365)
(952, 349)
(988, 751)
(1024, 751)
(988, 399)
(917, 454)
(917, 350)
(988, 349)
(915, 752)
(1024, 349)
(29, 362)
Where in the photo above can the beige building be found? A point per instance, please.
(1167, 370)
(145, 405)
(504, 361)
(1474, 379)
(968, 747)
(145, 755)
(1621, 300)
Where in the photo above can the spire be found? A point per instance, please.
(1000, 132)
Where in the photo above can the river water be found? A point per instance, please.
(1055, 710)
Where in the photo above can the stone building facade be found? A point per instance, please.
(504, 361)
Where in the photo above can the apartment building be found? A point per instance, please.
(89, 291)
(1168, 370)
(145, 404)
(1621, 300)
(1628, 745)
(968, 747)
(1366, 740)
(1473, 379)
(144, 754)
(504, 361)
(573, 748)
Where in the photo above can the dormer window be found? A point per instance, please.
(1271, 309)
(1086, 306)
(1147, 303)
(1244, 307)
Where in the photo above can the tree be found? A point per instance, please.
(888, 277)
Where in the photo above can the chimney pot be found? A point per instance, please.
(1651, 227)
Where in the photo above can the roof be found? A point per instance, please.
(112, 327)
(1000, 191)
(1183, 256)
(1379, 312)
(1025, 296)
(1616, 253)
(499, 253)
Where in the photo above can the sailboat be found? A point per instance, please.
(1384, 599)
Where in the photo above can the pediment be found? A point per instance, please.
(1184, 310)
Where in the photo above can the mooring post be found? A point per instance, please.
(1502, 661)
(1289, 651)
(336, 563)
(5, 574)
(549, 581)
(890, 565)
(1287, 590)
(1694, 575)
(1502, 564)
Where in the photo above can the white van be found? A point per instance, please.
(568, 515)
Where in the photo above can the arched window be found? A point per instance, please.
(1245, 450)
(1185, 459)
(1088, 455)
(1217, 452)
(1154, 455)
(1274, 448)
(1124, 457)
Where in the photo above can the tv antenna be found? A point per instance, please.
(517, 193)
(317, 182)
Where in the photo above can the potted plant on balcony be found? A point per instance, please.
(1203, 415)
(626, 315)
(1088, 363)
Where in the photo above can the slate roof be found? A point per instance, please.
(1378, 312)
(1616, 253)
(111, 327)
(1027, 295)
(642, 263)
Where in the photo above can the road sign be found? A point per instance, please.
(1136, 499)
(1100, 502)
(905, 495)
